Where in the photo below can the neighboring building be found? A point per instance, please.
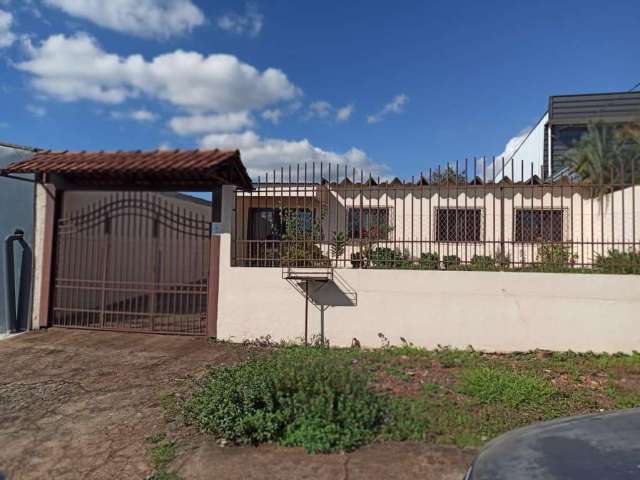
(566, 122)
(16, 208)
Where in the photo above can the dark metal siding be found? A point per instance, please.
(580, 109)
(569, 116)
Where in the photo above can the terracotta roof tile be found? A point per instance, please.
(182, 167)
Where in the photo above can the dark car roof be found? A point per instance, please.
(590, 447)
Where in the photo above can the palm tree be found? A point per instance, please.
(606, 155)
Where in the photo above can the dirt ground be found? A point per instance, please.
(79, 404)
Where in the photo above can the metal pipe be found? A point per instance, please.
(17, 315)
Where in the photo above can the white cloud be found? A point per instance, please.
(144, 18)
(394, 106)
(76, 68)
(485, 166)
(513, 145)
(142, 115)
(319, 109)
(324, 110)
(225, 122)
(249, 23)
(343, 114)
(262, 155)
(37, 111)
(273, 115)
(7, 37)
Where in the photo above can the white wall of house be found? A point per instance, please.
(591, 224)
(490, 311)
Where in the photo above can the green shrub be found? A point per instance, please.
(303, 254)
(482, 262)
(298, 397)
(618, 262)
(359, 260)
(383, 257)
(429, 261)
(451, 262)
(555, 257)
(299, 247)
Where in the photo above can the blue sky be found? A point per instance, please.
(391, 87)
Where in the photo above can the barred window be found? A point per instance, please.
(372, 223)
(542, 225)
(458, 224)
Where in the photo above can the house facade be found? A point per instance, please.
(504, 221)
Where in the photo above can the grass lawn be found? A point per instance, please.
(339, 399)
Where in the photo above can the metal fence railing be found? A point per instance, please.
(474, 215)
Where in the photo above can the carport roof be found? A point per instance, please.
(156, 169)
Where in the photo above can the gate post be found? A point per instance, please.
(49, 205)
(213, 286)
(223, 222)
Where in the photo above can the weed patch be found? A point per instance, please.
(326, 399)
(162, 452)
(507, 387)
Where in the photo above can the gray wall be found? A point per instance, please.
(607, 107)
(16, 211)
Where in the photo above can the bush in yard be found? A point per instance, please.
(451, 262)
(555, 257)
(482, 263)
(383, 257)
(429, 261)
(299, 247)
(618, 262)
(297, 397)
(359, 260)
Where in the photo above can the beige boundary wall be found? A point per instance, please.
(491, 311)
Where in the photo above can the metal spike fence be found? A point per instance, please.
(480, 214)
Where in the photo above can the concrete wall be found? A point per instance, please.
(492, 311)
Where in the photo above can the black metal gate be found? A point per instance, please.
(133, 261)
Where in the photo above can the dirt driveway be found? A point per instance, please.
(79, 404)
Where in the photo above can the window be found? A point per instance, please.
(538, 225)
(458, 224)
(264, 224)
(271, 223)
(371, 223)
(569, 136)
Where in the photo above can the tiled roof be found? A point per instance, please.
(140, 168)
